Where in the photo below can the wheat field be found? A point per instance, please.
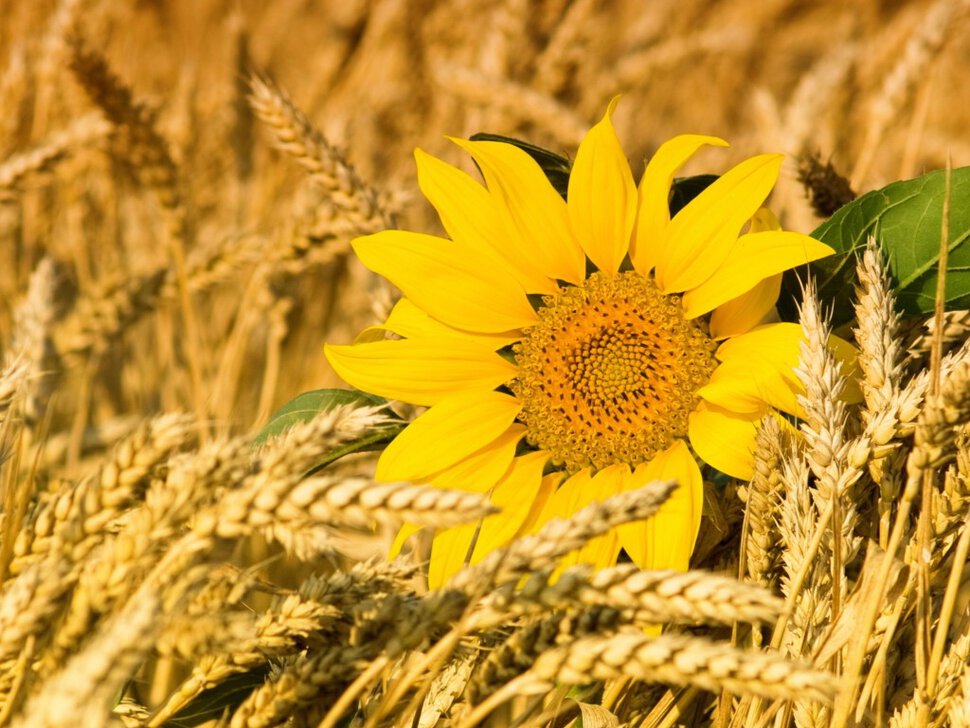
(179, 184)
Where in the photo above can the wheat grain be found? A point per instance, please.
(682, 660)
(356, 202)
(763, 499)
(558, 537)
(652, 596)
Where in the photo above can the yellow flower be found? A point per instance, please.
(571, 350)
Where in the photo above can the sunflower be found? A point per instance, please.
(571, 349)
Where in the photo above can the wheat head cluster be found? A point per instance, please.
(179, 184)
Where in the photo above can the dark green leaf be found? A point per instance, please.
(211, 703)
(905, 218)
(685, 189)
(555, 166)
(304, 407)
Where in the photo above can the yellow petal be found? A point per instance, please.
(409, 321)
(514, 495)
(453, 284)
(746, 387)
(575, 494)
(702, 235)
(602, 197)
(447, 433)
(666, 540)
(648, 249)
(469, 215)
(403, 534)
(776, 346)
(756, 256)
(724, 439)
(748, 310)
(419, 371)
(483, 468)
(531, 208)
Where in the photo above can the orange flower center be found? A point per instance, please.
(610, 372)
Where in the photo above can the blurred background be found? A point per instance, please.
(185, 261)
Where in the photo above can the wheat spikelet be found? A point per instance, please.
(27, 604)
(33, 320)
(104, 314)
(516, 654)
(797, 524)
(299, 518)
(85, 688)
(832, 454)
(958, 712)
(42, 158)
(279, 631)
(763, 500)
(357, 203)
(144, 148)
(558, 537)
(652, 596)
(73, 521)
(301, 680)
(683, 660)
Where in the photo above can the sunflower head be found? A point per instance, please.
(571, 349)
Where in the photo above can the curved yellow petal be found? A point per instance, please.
(602, 197)
(725, 439)
(776, 346)
(741, 314)
(576, 493)
(703, 235)
(483, 468)
(455, 285)
(756, 256)
(409, 321)
(746, 387)
(447, 433)
(403, 534)
(666, 540)
(531, 208)
(468, 213)
(419, 371)
(648, 249)
(514, 496)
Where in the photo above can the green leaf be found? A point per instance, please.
(304, 407)
(905, 218)
(555, 166)
(211, 703)
(685, 189)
